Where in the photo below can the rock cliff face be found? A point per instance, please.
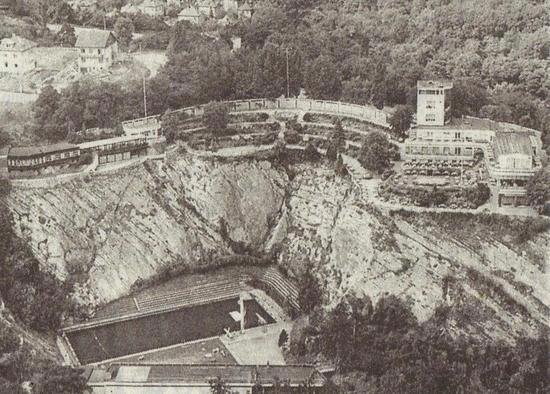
(127, 225)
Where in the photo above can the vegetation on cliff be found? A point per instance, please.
(391, 352)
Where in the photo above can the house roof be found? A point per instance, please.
(29, 151)
(93, 38)
(203, 373)
(246, 7)
(433, 84)
(190, 11)
(16, 44)
(512, 143)
(150, 3)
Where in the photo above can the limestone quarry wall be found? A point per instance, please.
(112, 230)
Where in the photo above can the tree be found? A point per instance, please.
(63, 380)
(9, 342)
(309, 295)
(218, 386)
(283, 338)
(44, 109)
(400, 120)
(216, 116)
(538, 188)
(322, 79)
(376, 152)
(123, 30)
(66, 36)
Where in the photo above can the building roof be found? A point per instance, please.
(246, 375)
(191, 11)
(434, 84)
(246, 7)
(472, 123)
(28, 151)
(16, 44)
(512, 143)
(150, 4)
(106, 141)
(93, 38)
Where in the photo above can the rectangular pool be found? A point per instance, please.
(160, 330)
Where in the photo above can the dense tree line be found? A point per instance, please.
(371, 53)
(394, 353)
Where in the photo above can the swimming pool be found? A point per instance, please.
(149, 332)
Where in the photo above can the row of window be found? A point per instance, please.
(90, 50)
(439, 150)
(436, 92)
(42, 159)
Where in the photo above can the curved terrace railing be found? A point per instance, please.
(362, 112)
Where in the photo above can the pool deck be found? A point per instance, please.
(202, 351)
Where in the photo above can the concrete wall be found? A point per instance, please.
(366, 113)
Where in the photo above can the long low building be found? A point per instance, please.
(197, 378)
(34, 157)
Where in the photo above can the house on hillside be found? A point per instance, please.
(245, 10)
(16, 56)
(190, 14)
(209, 8)
(152, 8)
(98, 50)
(4, 5)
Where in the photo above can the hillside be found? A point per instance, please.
(111, 230)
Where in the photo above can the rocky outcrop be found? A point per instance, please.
(116, 228)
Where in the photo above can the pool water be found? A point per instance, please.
(160, 330)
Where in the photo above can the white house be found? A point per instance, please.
(151, 8)
(98, 50)
(190, 14)
(15, 55)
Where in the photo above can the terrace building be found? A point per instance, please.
(16, 56)
(511, 153)
(98, 50)
(194, 379)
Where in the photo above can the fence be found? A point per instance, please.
(361, 112)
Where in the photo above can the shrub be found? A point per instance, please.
(216, 116)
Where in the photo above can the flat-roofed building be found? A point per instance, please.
(195, 378)
(433, 102)
(16, 56)
(36, 157)
(98, 50)
(146, 127)
(511, 152)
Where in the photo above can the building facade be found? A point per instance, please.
(16, 56)
(511, 153)
(35, 158)
(433, 103)
(98, 50)
(195, 378)
(153, 8)
(190, 14)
